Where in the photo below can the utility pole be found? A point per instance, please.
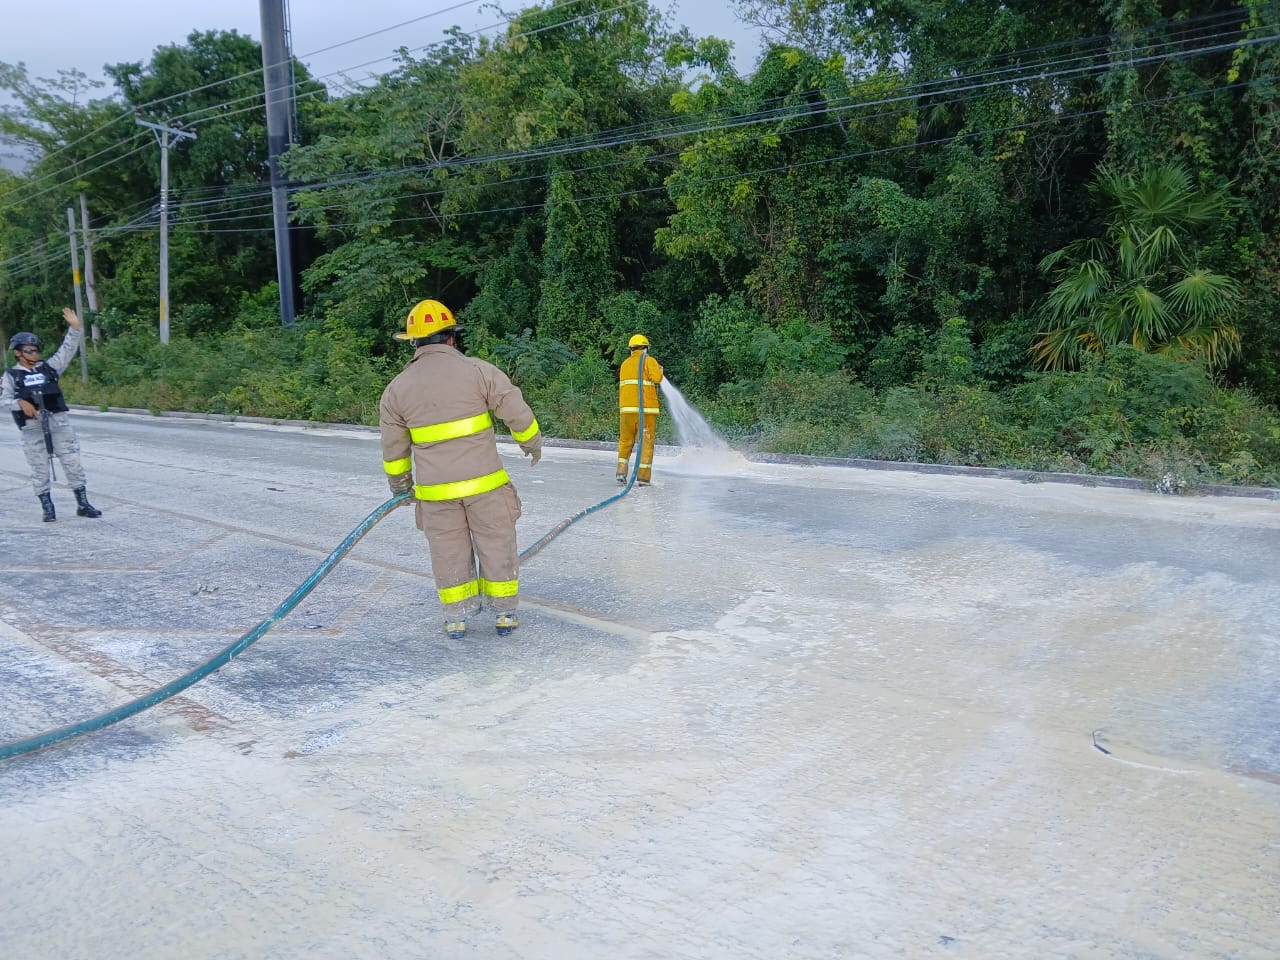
(276, 65)
(90, 289)
(162, 137)
(75, 283)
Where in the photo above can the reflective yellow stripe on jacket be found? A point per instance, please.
(461, 488)
(635, 383)
(451, 429)
(521, 436)
(396, 467)
(638, 380)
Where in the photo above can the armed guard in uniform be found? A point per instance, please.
(436, 419)
(30, 390)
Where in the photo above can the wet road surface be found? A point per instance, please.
(754, 711)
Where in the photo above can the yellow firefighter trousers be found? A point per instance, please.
(627, 426)
(460, 533)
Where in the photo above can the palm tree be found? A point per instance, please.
(1138, 283)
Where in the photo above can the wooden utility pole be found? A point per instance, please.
(162, 136)
(75, 283)
(90, 291)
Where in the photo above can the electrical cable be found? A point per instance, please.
(151, 104)
(792, 165)
(56, 257)
(986, 79)
(20, 263)
(827, 107)
(618, 136)
(261, 96)
(923, 87)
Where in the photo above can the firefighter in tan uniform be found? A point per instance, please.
(436, 419)
(629, 394)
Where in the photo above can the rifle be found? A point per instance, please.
(48, 434)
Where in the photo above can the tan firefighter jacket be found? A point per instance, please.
(436, 422)
(628, 384)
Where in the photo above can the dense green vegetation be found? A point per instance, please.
(1041, 235)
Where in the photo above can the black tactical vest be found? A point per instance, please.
(39, 387)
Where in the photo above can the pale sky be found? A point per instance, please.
(85, 34)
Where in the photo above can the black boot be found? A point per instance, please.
(86, 509)
(46, 501)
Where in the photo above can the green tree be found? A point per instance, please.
(220, 242)
(376, 186)
(562, 103)
(1141, 282)
(218, 248)
(71, 143)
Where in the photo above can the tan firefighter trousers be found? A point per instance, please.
(461, 533)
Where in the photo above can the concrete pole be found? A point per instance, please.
(164, 235)
(75, 283)
(162, 135)
(90, 290)
(279, 94)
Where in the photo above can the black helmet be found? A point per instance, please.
(23, 339)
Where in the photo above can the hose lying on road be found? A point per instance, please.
(174, 687)
(16, 748)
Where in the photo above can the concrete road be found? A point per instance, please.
(755, 711)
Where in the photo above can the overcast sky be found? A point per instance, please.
(85, 34)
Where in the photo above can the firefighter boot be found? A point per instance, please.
(85, 509)
(506, 623)
(456, 629)
(46, 501)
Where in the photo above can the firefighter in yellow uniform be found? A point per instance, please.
(633, 384)
(436, 419)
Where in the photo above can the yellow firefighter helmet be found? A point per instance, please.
(428, 317)
(639, 340)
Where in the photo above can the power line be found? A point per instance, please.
(830, 107)
(151, 105)
(762, 171)
(991, 78)
(915, 145)
(1130, 35)
(921, 87)
(902, 95)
